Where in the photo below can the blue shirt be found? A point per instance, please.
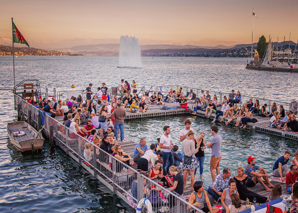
(135, 152)
(280, 160)
(248, 170)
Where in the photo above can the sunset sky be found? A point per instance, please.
(66, 23)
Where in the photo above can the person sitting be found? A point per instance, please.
(231, 97)
(280, 168)
(48, 108)
(291, 177)
(241, 183)
(220, 183)
(156, 171)
(68, 121)
(77, 117)
(159, 99)
(274, 121)
(183, 103)
(199, 198)
(240, 115)
(294, 205)
(139, 150)
(202, 95)
(234, 114)
(294, 106)
(143, 107)
(249, 104)
(225, 99)
(275, 193)
(92, 108)
(92, 135)
(106, 145)
(292, 124)
(226, 200)
(199, 105)
(215, 101)
(125, 99)
(190, 95)
(254, 177)
(263, 112)
(210, 108)
(122, 156)
(178, 184)
(246, 118)
(88, 154)
(228, 111)
(282, 111)
(295, 159)
(236, 204)
(208, 96)
(177, 158)
(94, 120)
(89, 127)
(64, 108)
(148, 158)
(133, 106)
(218, 113)
(256, 107)
(85, 116)
(153, 99)
(273, 109)
(169, 98)
(137, 99)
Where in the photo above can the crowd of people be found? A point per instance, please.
(100, 118)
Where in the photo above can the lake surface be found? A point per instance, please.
(53, 181)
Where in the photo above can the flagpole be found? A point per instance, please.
(13, 65)
(252, 34)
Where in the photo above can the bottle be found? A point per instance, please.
(252, 209)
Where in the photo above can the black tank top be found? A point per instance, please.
(200, 153)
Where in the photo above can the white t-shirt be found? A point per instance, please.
(184, 131)
(272, 119)
(65, 109)
(151, 157)
(202, 95)
(166, 141)
(225, 107)
(109, 108)
(99, 94)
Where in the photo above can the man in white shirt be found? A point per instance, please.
(148, 159)
(166, 145)
(183, 132)
(202, 95)
(121, 87)
(218, 113)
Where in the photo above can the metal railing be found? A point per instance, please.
(116, 175)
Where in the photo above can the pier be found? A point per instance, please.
(113, 173)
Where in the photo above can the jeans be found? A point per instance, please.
(213, 193)
(197, 107)
(245, 120)
(168, 161)
(201, 164)
(289, 189)
(218, 113)
(121, 126)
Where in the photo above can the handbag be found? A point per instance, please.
(187, 160)
(101, 118)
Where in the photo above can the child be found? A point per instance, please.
(178, 157)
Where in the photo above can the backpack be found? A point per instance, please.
(155, 198)
(254, 120)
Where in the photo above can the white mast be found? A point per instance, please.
(252, 33)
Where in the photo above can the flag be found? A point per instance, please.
(17, 36)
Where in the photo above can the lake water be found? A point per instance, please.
(53, 181)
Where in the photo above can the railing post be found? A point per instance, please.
(29, 116)
(67, 140)
(94, 161)
(19, 111)
(220, 97)
(178, 207)
(47, 94)
(114, 174)
(51, 139)
(140, 187)
(39, 120)
(54, 90)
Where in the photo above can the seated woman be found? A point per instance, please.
(153, 99)
(228, 112)
(134, 106)
(144, 98)
(227, 193)
(159, 99)
(275, 193)
(240, 115)
(199, 198)
(263, 112)
(64, 108)
(92, 108)
(225, 99)
(237, 98)
(234, 114)
(156, 172)
(183, 103)
(88, 154)
(292, 124)
(236, 204)
(80, 100)
(246, 118)
(241, 183)
(169, 98)
(256, 107)
(282, 112)
(199, 105)
(215, 101)
(274, 121)
(190, 95)
(273, 109)
(122, 156)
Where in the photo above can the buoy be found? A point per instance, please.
(147, 203)
(73, 86)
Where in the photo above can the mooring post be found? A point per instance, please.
(39, 120)
(29, 116)
(19, 111)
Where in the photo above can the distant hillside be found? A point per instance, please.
(25, 51)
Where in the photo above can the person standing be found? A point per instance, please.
(166, 145)
(183, 132)
(121, 88)
(88, 94)
(105, 92)
(215, 146)
(119, 114)
(200, 155)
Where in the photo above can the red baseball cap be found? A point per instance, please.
(250, 158)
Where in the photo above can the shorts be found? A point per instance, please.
(88, 97)
(251, 183)
(214, 162)
(143, 164)
(134, 91)
(104, 97)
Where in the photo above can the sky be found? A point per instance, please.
(58, 24)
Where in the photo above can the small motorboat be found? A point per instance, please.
(24, 137)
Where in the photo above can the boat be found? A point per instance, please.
(24, 137)
(276, 60)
